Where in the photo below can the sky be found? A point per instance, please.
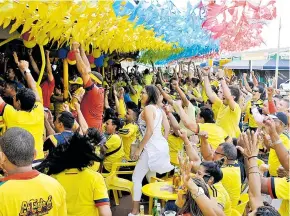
(270, 32)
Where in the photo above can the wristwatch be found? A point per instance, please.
(200, 192)
(26, 71)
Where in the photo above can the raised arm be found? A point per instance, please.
(248, 88)
(209, 92)
(165, 95)
(85, 58)
(185, 101)
(190, 151)
(132, 90)
(188, 122)
(48, 66)
(106, 104)
(33, 63)
(255, 81)
(23, 67)
(271, 104)
(82, 68)
(226, 91)
(117, 102)
(81, 120)
(205, 148)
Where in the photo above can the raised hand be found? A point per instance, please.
(75, 45)
(23, 65)
(248, 144)
(47, 52)
(29, 51)
(221, 73)
(203, 135)
(15, 58)
(206, 71)
(182, 134)
(185, 168)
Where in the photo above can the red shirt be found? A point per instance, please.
(47, 90)
(92, 105)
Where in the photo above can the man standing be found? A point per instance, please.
(92, 104)
(24, 191)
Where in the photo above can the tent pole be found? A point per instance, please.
(278, 55)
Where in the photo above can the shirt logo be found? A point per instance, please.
(36, 207)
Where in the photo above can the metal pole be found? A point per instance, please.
(277, 55)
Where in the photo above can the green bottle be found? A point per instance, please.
(154, 210)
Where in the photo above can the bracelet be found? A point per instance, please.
(200, 192)
(252, 167)
(279, 141)
(252, 157)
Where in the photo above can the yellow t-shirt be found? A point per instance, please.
(32, 121)
(148, 79)
(222, 197)
(251, 119)
(31, 193)
(175, 145)
(113, 143)
(85, 191)
(273, 161)
(121, 84)
(190, 111)
(122, 108)
(128, 134)
(279, 188)
(216, 135)
(228, 119)
(39, 91)
(136, 97)
(232, 182)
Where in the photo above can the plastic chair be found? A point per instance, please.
(235, 212)
(115, 183)
(244, 199)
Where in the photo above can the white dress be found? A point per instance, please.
(157, 147)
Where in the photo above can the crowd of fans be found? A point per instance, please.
(231, 136)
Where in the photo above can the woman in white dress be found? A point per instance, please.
(153, 150)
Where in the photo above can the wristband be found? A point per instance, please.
(200, 192)
(254, 173)
(279, 141)
(252, 167)
(252, 157)
(26, 71)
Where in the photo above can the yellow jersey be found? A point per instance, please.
(228, 119)
(222, 197)
(136, 97)
(122, 108)
(279, 188)
(216, 135)
(32, 121)
(175, 145)
(232, 182)
(129, 135)
(148, 79)
(273, 161)
(113, 143)
(251, 119)
(85, 191)
(31, 193)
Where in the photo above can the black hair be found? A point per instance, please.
(230, 151)
(207, 115)
(117, 122)
(18, 146)
(267, 210)
(251, 84)
(27, 98)
(153, 94)
(235, 92)
(190, 206)
(108, 114)
(146, 71)
(176, 116)
(214, 89)
(262, 91)
(195, 81)
(11, 84)
(213, 169)
(67, 119)
(95, 136)
(77, 153)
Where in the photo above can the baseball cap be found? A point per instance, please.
(97, 77)
(78, 81)
(281, 116)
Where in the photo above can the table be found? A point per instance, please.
(154, 190)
